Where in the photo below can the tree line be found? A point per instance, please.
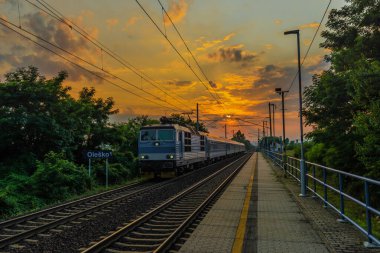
(343, 103)
(44, 133)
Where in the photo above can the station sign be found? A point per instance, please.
(90, 154)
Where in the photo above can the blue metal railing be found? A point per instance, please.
(322, 178)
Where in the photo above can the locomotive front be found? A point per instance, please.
(157, 150)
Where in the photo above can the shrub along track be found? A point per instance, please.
(158, 230)
(70, 226)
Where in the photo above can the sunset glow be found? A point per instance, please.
(239, 46)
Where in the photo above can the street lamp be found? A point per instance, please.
(302, 162)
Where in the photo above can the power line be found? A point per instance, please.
(176, 50)
(184, 42)
(51, 11)
(85, 61)
(81, 67)
(312, 41)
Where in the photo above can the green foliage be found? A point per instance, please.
(57, 178)
(368, 151)
(316, 153)
(240, 137)
(16, 196)
(44, 132)
(125, 135)
(342, 103)
(117, 173)
(38, 115)
(180, 120)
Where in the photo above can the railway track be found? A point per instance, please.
(19, 228)
(31, 228)
(158, 230)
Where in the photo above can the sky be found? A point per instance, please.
(145, 66)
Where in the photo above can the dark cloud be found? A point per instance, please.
(181, 83)
(212, 84)
(269, 68)
(274, 76)
(25, 53)
(55, 32)
(231, 55)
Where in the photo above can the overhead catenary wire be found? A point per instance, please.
(87, 62)
(84, 68)
(188, 49)
(54, 13)
(312, 41)
(176, 50)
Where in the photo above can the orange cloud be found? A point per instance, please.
(112, 22)
(278, 22)
(309, 25)
(132, 21)
(229, 36)
(177, 11)
(268, 46)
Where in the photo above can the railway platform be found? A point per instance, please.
(260, 211)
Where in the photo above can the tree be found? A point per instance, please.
(38, 115)
(240, 137)
(342, 103)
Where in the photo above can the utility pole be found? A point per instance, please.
(281, 92)
(258, 137)
(274, 129)
(225, 131)
(197, 126)
(270, 119)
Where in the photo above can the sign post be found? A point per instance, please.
(106, 172)
(102, 154)
(89, 167)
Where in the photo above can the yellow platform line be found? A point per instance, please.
(240, 232)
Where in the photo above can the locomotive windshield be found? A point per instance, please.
(148, 135)
(165, 134)
(157, 134)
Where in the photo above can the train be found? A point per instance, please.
(169, 150)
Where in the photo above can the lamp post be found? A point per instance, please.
(302, 161)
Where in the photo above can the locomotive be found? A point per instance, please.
(169, 150)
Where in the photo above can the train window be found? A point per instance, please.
(202, 143)
(187, 142)
(148, 135)
(165, 134)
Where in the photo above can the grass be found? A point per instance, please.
(96, 190)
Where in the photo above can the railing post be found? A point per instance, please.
(367, 211)
(324, 188)
(284, 161)
(314, 182)
(341, 197)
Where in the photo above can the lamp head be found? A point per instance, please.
(292, 32)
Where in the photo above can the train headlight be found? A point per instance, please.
(144, 157)
(170, 156)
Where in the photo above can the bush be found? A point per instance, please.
(117, 173)
(316, 153)
(57, 178)
(16, 195)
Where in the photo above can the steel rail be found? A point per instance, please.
(116, 236)
(78, 214)
(33, 215)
